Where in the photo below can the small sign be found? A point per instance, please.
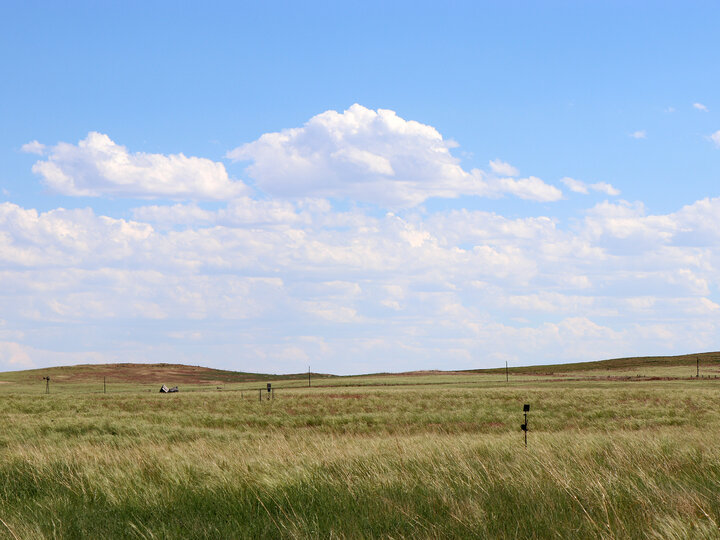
(269, 386)
(526, 407)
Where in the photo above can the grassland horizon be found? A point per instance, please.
(621, 449)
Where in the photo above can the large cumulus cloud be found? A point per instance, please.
(376, 157)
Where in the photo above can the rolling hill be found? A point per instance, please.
(638, 363)
(143, 373)
(676, 366)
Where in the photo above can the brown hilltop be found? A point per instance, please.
(144, 373)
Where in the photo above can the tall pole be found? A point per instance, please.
(524, 427)
(698, 367)
(104, 387)
(308, 376)
(507, 376)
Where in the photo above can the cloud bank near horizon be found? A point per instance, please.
(455, 288)
(274, 275)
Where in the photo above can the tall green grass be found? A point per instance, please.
(633, 460)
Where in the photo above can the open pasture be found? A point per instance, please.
(431, 455)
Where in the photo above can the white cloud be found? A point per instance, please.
(700, 107)
(715, 138)
(383, 292)
(14, 356)
(501, 168)
(97, 166)
(575, 186)
(531, 188)
(265, 284)
(373, 156)
(640, 134)
(579, 186)
(606, 188)
(33, 147)
(18, 356)
(240, 211)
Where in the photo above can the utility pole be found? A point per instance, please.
(308, 376)
(104, 387)
(507, 376)
(698, 367)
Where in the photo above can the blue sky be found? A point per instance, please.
(357, 186)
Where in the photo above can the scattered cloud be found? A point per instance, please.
(530, 188)
(715, 138)
(33, 147)
(578, 186)
(640, 134)
(98, 166)
(375, 157)
(606, 188)
(14, 356)
(700, 107)
(503, 169)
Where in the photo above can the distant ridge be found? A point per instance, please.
(185, 374)
(632, 362)
(145, 373)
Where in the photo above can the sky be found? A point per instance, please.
(358, 187)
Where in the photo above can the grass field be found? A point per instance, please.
(431, 455)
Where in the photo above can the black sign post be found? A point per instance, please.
(524, 427)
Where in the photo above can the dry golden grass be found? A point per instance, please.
(436, 458)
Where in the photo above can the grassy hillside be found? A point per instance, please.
(623, 448)
(144, 374)
(709, 365)
(682, 366)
